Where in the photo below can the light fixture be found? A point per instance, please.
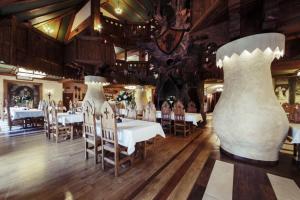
(130, 87)
(48, 29)
(98, 27)
(118, 10)
(298, 73)
(22, 72)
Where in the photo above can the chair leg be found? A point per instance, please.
(117, 163)
(102, 157)
(96, 153)
(86, 153)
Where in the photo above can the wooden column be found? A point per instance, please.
(12, 51)
(200, 92)
(292, 89)
(95, 15)
(234, 19)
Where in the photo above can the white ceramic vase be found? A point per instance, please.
(140, 99)
(248, 118)
(95, 93)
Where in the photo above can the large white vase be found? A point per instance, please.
(140, 98)
(248, 118)
(95, 93)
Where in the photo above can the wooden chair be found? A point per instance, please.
(149, 112)
(47, 123)
(92, 140)
(180, 125)
(166, 120)
(192, 107)
(58, 129)
(10, 121)
(109, 137)
(131, 113)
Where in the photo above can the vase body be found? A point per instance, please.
(248, 118)
(95, 95)
(140, 99)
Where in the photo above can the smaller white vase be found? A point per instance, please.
(95, 93)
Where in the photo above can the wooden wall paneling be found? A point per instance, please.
(5, 39)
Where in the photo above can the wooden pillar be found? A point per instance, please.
(12, 51)
(125, 55)
(234, 18)
(292, 89)
(200, 92)
(95, 15)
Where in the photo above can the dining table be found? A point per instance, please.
(295, 134)
(23, 113)
(130, 131)
(189, 117)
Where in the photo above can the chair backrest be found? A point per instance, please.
(108, 124)
(191, 107)
(166, 111)
(89, 119)
(8, 112)
(53, 113)
(179, 112)
(131, 113)
(149, 112)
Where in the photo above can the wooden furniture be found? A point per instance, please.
(9, 119)
(47, 124)
(92, 141)
(112, 152)
(58, 129)
(131, 113)
(191, 107)
(180, 125)
(166, 120)
(149, 112)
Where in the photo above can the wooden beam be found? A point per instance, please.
(134, 11)
(67, 35)
(80, 28)
(285, 65)
(50, 16)
(205, 15)
(8, 2)
(54, 19)
(95, 13)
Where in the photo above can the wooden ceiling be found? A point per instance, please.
(53, 17)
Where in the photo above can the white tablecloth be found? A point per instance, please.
(132, 131)
(295, 133)
(66, 118)
(21, 113)
(189, 117)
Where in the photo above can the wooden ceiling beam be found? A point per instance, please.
(8, 2)
(47, 8)
(54, 19)
(50, 16)
(134, 11)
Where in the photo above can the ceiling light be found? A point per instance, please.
(48, 29)
(298, 73)
(98, 27)
(118, 10)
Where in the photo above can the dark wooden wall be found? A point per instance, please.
(26, 47)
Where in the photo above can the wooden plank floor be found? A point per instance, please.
(31, 167)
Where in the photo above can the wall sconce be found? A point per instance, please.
(49, 94)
